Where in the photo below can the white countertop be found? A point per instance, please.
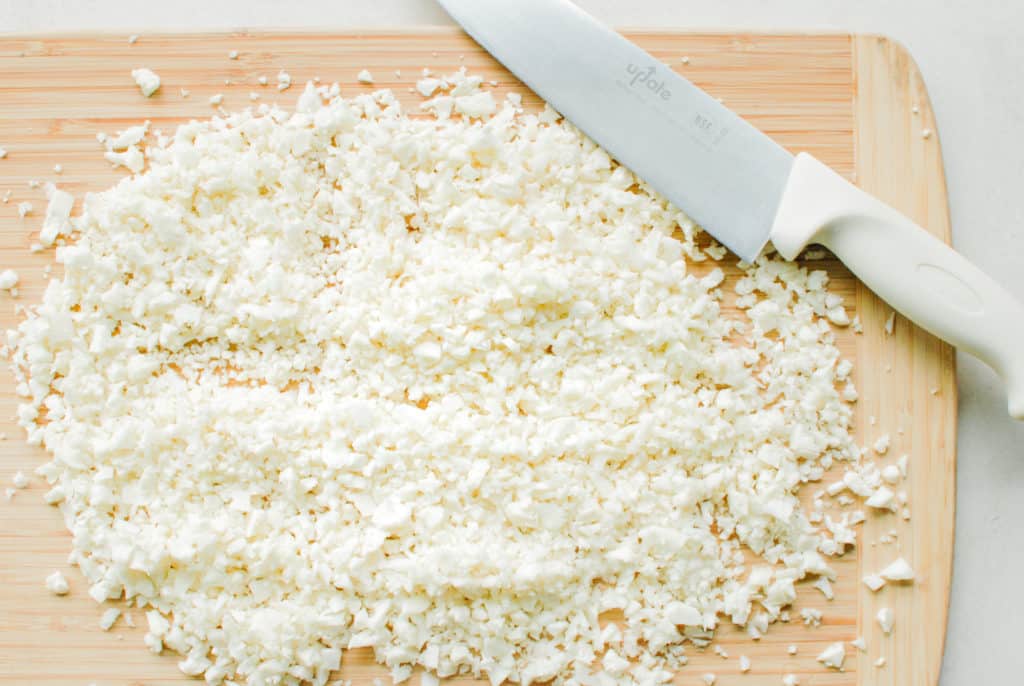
(971, 61)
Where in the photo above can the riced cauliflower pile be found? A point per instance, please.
(456, 388)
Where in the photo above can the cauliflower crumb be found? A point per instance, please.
(109, 618)
(427, 86)
(898, 570)
(891, 474)
(885, 620)
(147, 81)
(882, 499)
(874, 582)
(833, 655)
(57, 584)
(8, 279)
(811, 616)
(476, 105)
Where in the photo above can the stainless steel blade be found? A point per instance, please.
(720, 170)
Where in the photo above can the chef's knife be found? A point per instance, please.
(736, 182)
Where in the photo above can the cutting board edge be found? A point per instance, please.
(433, 29)
(895, 132)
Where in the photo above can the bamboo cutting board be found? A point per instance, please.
(856, 102)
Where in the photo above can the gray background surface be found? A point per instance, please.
(971, 54)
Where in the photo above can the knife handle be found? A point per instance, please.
(919, 275)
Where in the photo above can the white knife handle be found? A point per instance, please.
(919, 275)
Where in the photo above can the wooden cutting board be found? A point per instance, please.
(856, 102)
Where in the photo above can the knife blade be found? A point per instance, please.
(736, 182)
(706, 160)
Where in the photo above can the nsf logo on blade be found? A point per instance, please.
(644, 78)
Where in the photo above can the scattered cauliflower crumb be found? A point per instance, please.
(147, 81)
(825, 586)
(859, 644)
(24, 209)
(833, 655)
(744, 663)
(284, 80)
(58, 215)
(880, 662)
(233, 55)
(881, 446)
(20, 480)
(790, 680)
(8, 279)
(427, 86)
(364, 76)
(890, 323)
(57, 584)
(109, 618)
(898, 570)
(217, 99)
(882, 499)
(874, 582)
(891, 473)
(811, 616)
(885, 620)
(132, 159)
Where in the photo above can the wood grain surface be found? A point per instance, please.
(855, 102)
